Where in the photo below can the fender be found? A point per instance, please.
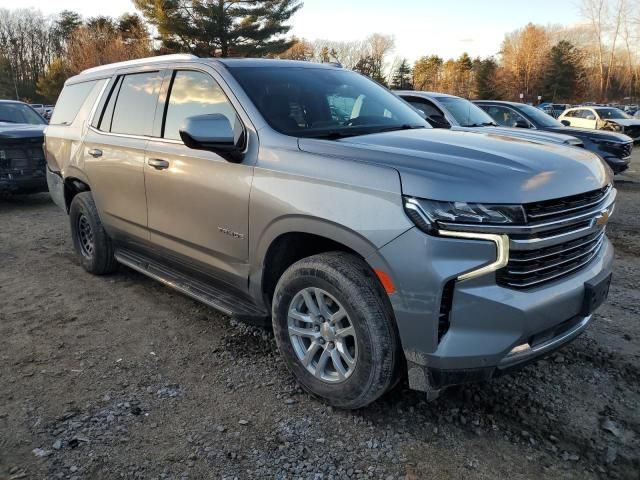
(314, 226)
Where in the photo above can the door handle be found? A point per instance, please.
(158, 163)
(95, 152)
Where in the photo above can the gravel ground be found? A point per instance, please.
(120, 377)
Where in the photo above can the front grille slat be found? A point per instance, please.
(563, 206)
(529, 266)
(558, 261)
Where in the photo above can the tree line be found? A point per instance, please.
(596, 59)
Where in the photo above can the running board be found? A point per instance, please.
(217, 297)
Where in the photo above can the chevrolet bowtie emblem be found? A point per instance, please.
(603, 218)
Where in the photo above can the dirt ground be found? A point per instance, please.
(120, 377)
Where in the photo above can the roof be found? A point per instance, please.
(12, 101)
(427, 94)
(102, 71)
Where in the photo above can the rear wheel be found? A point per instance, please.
(90, 240)
(335, 329)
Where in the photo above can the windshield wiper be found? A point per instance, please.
(398, 127)
(337, 134)
(483, 124)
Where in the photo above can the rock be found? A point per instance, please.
(57, 445)
(73, 469)
(610, 426)
(220, 428)
(243, 422)
(290, 401)
(40, 452)
(611, 455)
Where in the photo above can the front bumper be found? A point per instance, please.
(23, 181)
(486, 321)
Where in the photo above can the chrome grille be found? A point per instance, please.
(561, 237)
(527, 268)
(562, 206)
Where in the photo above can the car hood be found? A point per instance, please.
(472, 167)
(625, 122)
(13, 131)
(591, 134)
(531, 135)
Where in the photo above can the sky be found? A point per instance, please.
(420, 27)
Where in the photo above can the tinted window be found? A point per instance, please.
(539, 118)
(425, 106)
(104, 122)
(19, 113)
(504, 116)
(195, 93)
(136, 104)
(606, 113)
(319, 102)
(70, 101)
(466, 113)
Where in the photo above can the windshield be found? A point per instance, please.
(539, 118)
(19, 113)
(319, 102)
(466, 113)
(606, 113)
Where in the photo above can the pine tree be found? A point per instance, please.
(563, 74)
(486, 80)
(221, 27)
(402, 77)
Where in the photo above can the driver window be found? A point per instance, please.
(425, 107)
(505, 116)
(195, 93)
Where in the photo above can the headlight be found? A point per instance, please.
(428, 215)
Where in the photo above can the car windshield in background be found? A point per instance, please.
(324, 103)
(466, 113)
(540, 118)
(613, 113)
(19, 113)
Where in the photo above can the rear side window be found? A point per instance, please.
(134, 103)
(70, 101)
(195, 93)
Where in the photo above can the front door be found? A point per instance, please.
(198, 202)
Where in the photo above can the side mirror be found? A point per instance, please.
(438, 121)
(521, 124)
(566, 123)
(211, 132)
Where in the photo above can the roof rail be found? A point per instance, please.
(138, 61)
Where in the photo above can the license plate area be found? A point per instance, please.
(596, 291)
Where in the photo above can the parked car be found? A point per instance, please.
(614, 148)
(22, 165)
(602, 118)
(553, 109)
(449, 111)
(311, 197)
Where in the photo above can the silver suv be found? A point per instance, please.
(309, 196)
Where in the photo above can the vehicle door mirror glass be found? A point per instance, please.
(438, 121)
(521, 123)
(566, 123)
(211, 132)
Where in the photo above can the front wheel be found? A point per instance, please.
(335, 329)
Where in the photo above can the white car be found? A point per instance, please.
(602, 118)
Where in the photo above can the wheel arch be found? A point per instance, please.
(292, 238)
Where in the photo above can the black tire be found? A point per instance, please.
(84, 218)
(353, 284)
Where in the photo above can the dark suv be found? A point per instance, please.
(614, 148)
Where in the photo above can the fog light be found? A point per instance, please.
(521, 348)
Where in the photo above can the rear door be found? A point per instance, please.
(198, 202)
(114, 152)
